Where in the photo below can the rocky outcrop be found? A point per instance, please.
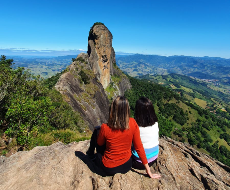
(101, 53)
(83, 84)
(124, 83)
(81, 89)
(67, 167)
(102, 58)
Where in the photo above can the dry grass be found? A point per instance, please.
(200, 102)
(186, 89)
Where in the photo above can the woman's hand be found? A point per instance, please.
(154, 176)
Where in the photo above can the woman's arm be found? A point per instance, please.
(101, 136)
(148, 171)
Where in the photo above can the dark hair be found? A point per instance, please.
(119, 113)
(144, 112)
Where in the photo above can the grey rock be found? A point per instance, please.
(90, 99)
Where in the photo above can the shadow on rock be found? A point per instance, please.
(91, 165)
(140, 172)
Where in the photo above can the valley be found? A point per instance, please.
(43, 66)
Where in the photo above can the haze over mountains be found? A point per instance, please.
(199, 67)
(23, 52)
(137, 64)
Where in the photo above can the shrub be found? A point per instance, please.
(80, 59)
(84, 77)
(29, 108)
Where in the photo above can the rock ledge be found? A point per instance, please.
(67, 167)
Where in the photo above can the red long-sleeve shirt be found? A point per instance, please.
(118, 144)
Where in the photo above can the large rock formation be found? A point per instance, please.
(101, 53)
(102, 59)
(67, 167)
(84, 83)
(81, 89)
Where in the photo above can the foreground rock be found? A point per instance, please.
(66, 167)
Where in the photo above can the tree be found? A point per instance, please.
(28, 107)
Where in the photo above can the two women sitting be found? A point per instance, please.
(115, 139)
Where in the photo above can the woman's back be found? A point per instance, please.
(149, 135)
(150, 140)
(149, 131)
(118, 143)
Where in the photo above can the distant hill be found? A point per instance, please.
(208, 94)
(200, 67)
(43, 66)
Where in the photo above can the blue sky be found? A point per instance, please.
(162, 27)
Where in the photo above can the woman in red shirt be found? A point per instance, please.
(115, 139)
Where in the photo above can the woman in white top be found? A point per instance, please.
(147, 121)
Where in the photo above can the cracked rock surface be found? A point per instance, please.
(67, 167)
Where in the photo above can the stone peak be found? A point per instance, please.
(101, 53)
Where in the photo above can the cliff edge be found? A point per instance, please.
(67, 167)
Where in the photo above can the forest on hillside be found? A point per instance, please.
(32, 112)
(210, 95)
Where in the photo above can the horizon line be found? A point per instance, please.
(55, 53)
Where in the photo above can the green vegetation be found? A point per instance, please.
(116, 78)
(33, 113)
(80, 59)
(112, 88)
(30, 107)
(200, 102)
(110, 91)
(50, 82)
(197, 91)
(183, 120)
(82, 72)
(96, 23)
(84, 77)
(64, 135)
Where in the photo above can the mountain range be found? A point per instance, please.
(199, 67)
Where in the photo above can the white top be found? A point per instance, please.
(149, 136)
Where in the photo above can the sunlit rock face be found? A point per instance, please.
(101, 53)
